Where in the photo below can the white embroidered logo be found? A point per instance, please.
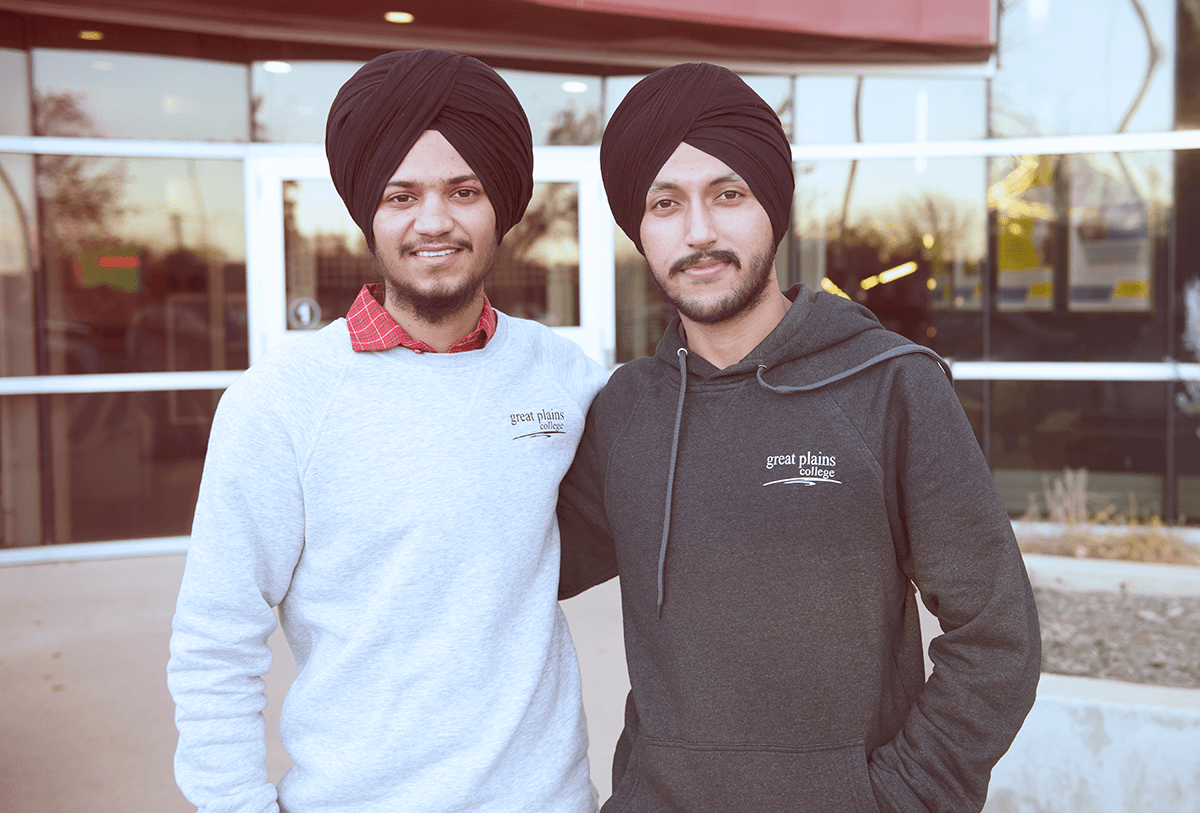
(811, 468)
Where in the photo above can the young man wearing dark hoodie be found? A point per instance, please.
(770, 487)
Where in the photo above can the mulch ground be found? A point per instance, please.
(1117, 636)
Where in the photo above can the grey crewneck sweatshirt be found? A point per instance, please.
(398, 509)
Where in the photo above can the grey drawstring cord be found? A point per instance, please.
(884, 356)
(662, 551)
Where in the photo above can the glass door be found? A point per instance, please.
(308, 260)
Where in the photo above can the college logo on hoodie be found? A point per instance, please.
(808, 469)
(540, 424)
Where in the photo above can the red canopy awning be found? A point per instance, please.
(948, 22)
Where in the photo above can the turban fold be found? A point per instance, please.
(711, 109)
(388, 103)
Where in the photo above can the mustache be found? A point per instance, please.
(722, 255)
(455, 242)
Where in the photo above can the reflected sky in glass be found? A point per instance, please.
(893, 109)
(562, 108)
(14, 93)
(137, 96)
(1070, 68)
(292, 99)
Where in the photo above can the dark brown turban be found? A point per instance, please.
(384, 108)
(711, 109)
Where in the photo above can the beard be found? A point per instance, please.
(743, 296)
(443, 300)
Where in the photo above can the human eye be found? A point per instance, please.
(661, 204)
(730, 194)
(400, 198)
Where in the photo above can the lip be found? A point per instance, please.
(704, 270)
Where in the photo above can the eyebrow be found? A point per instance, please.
(728, 177)
(457, 179)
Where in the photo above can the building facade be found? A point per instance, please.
(1022, 205)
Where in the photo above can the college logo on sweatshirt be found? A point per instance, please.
(805, 469)
(540, 424)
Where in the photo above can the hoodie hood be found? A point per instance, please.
(821, 340)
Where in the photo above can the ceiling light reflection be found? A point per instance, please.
(400, 17)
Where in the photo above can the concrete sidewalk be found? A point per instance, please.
(86, 722)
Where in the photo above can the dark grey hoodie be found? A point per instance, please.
(768, 522)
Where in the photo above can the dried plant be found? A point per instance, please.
(1103, 533)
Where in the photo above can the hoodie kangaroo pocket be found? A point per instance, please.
(688, 777)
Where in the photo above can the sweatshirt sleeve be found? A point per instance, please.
(955, 541)
(246, 538)
(588, 551)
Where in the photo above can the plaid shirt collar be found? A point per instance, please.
(373, 328)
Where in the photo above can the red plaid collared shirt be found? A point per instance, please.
(373, 328)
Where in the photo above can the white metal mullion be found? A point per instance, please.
(118, 382)
(122, 148)
(1074, 371)
(998, 147)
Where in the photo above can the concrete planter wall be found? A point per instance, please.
(1101, 746)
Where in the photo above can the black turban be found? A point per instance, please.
(711, 109)
(388, 103)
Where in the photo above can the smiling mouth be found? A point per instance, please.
(441, 252)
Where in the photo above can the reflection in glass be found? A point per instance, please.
(563, 109)
(1113, 429)
(100, 94)
(144, 265)
(1104, 66)
(643, 310)
(1081, 255)
(14, 93)
(846, 109)
(122, 465)
(904, 238)
(17, 262)
(536, 275)
(292, 99)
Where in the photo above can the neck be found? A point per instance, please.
(728, 342)
(444, 332)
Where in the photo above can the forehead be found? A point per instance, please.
(689, 165)
(431, 160)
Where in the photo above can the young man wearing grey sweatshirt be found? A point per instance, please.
(388, 485)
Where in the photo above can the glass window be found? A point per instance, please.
(116, 95)
(562, 108)
(292, 99)
(1114, 430)
(643, 310)
(906, 238)
(833, 109)
(18, 355)
(536, 275)
(118, 465)
(1075, 68)
(1081, 255)
(144, 264)
(14, 92)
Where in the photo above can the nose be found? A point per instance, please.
(700, 230)
(433, 217)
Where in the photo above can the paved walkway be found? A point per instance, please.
(86, 723)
